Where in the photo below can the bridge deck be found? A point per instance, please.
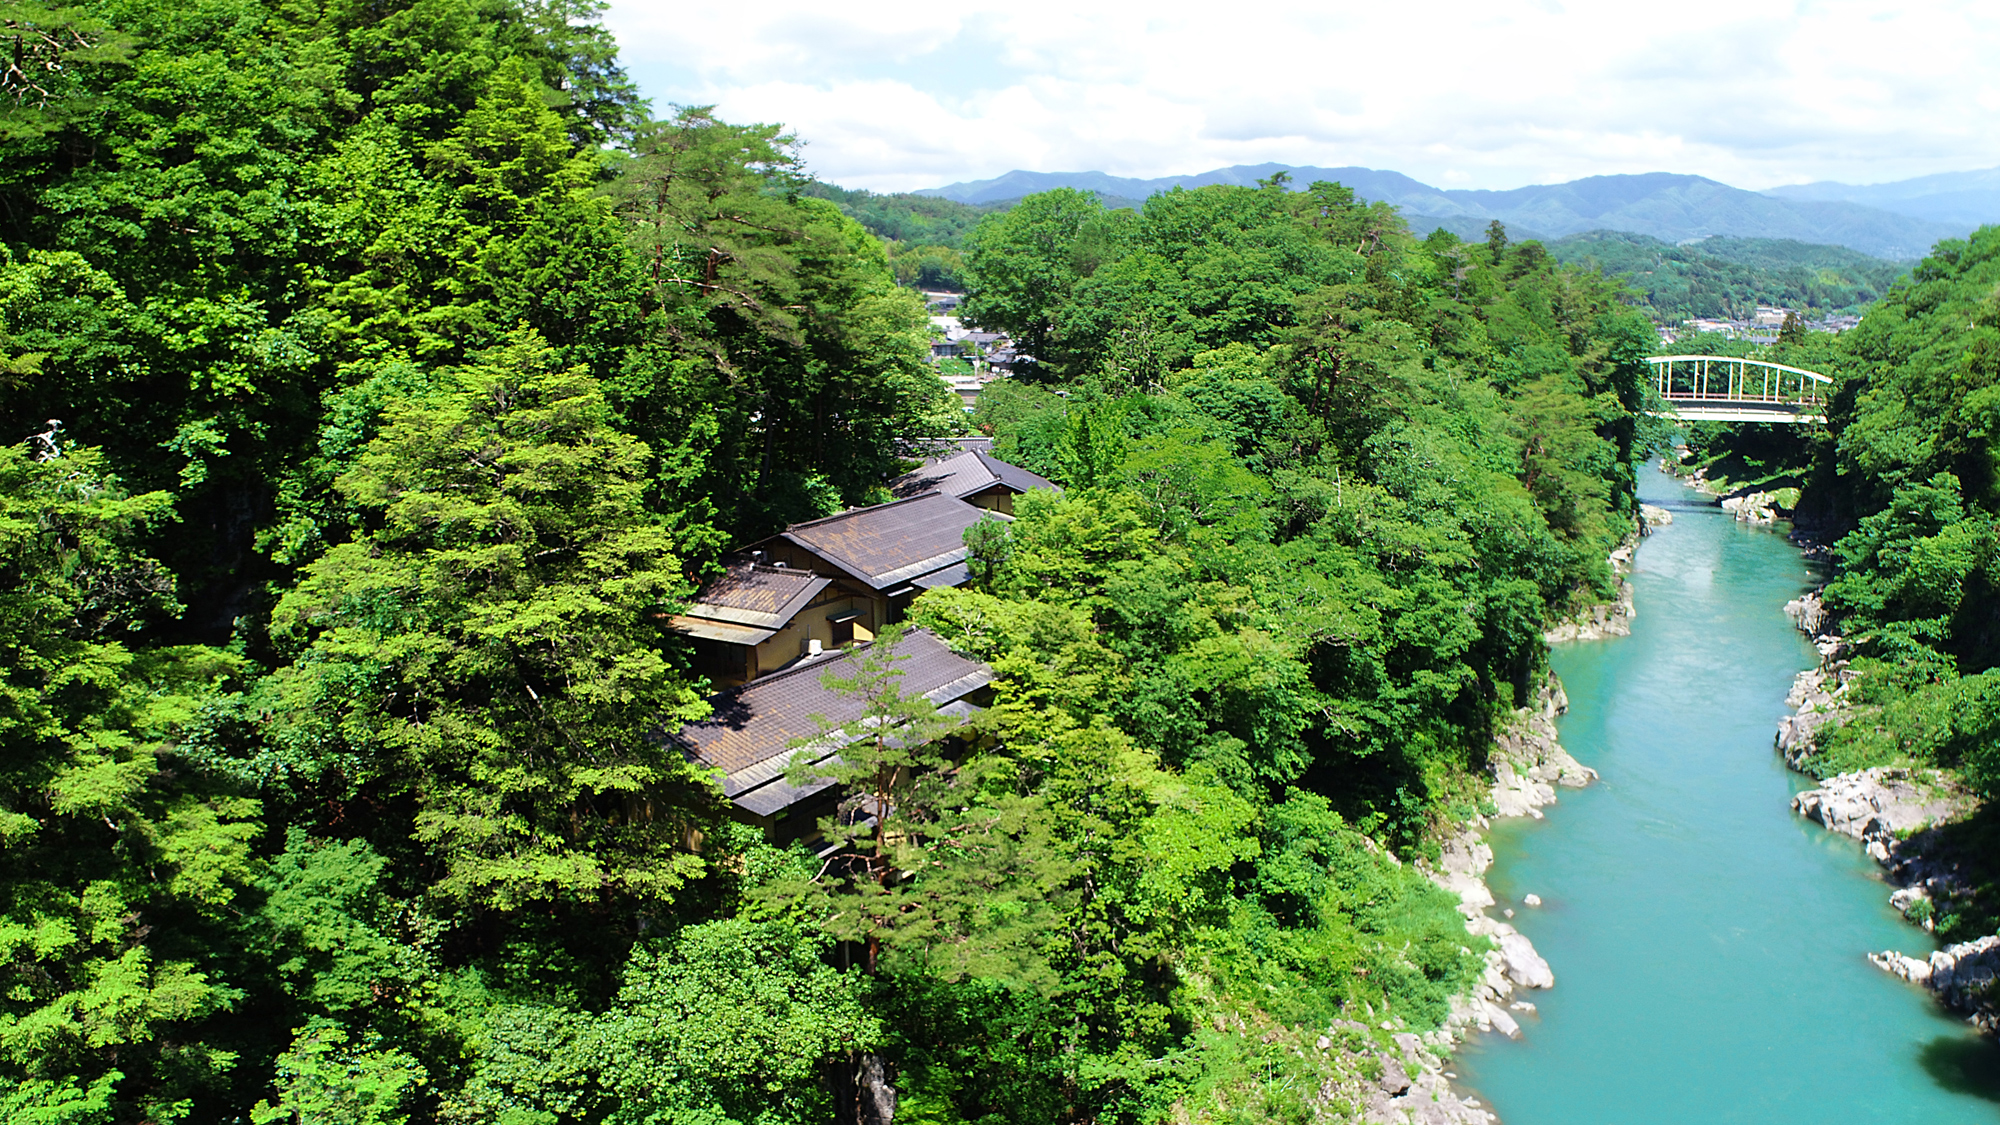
(1721, 412)
(1714, 388)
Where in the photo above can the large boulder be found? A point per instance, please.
(1961, 975)
(1876, 806)
(1525, 967)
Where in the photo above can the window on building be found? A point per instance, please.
(842, 624)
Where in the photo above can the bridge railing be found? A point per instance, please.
(1731, 379)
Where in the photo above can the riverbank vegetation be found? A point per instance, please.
(377, 378)
(1901, 484)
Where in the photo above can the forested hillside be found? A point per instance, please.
(1668, 206)
(923, 234)
(1728, 278)
(378, 378)
(1720, 277)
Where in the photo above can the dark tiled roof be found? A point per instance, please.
(749, 599)
(930, 451)
(964, 474)
(1014, 476)
(890, 544)
(957, 574)
(750, 735)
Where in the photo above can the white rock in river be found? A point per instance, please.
(1525, 966)
(1531, 900)
(1502, 1022)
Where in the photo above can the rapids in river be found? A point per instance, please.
(1708, 943)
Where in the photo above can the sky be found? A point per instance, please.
(895, 95)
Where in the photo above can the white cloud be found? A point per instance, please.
(902, 94)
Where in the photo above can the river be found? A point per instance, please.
(1708, 943)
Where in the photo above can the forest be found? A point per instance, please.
(1727, 278)
(379, 378)
(1723, 278)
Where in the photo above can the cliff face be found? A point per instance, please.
(1411, 1083)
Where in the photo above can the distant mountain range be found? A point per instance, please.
(1896, 221)
(1961, 198)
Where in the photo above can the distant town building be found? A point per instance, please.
(1759, 329)
(987, 356)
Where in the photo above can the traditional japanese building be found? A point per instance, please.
(758, 728)
(826, 584)
(974, 476)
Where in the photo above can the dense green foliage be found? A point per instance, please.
(1727, 278)
(378, 379)
(1906, 470)
(1326, 484)
(913, 220)
(1720, 277)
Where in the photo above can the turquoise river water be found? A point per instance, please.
(1709, 944)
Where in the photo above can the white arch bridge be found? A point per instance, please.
(1720, 388)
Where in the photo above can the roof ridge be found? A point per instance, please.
(937, 469)
(857, 511)
(840, 554)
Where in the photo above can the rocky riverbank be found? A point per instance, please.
(1817, 695)
(1893, 813)
(1758, 507)
(1612, 618)
(1605, 619)
(1412, 1084)
(1527, 766)
(1961, 975)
